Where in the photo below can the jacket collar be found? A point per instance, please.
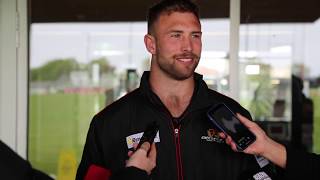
(200, 98)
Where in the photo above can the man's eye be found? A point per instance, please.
(175, 35)
(196, 35)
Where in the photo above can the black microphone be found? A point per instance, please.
(149, 134)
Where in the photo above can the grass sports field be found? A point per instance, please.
(315, 95)
(58, 124)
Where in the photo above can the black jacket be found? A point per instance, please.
(182, 155)
(14, 167)
(302, 165)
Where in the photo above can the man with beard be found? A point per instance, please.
(177, 99)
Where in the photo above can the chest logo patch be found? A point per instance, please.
(212, 136)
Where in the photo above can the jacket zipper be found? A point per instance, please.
(176, 134)
(178, 151)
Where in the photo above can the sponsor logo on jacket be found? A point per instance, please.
(212, 136)
(135, 139)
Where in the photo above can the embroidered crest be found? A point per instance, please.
(212, 136)
(211, 132)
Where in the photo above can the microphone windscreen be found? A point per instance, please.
(97, 173)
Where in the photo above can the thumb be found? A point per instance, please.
(145, 146)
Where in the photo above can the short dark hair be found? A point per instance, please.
(170, 6)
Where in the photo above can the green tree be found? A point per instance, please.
(54, 69)
(261, 104)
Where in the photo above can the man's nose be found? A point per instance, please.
(186, 44)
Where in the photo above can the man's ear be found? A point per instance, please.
(150, 43)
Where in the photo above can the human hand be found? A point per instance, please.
(142, 159)
(262, 140)
(263, 145)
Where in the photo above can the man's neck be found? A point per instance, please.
(174, 94)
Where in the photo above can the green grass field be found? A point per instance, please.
(315, 95)
(59, 122)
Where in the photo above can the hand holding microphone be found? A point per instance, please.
(143, 158)
(145, 155)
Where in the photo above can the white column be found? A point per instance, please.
(8, 74)
(13, 74)
(22, 78)
(234, 48)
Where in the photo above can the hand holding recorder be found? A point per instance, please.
(225, 120)
(144, 157)
(263, 146)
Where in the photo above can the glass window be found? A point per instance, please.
(278, 74)
(76, 69)
(265, 56)
(214, 63)
(307, 75)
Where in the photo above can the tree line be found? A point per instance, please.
(54, 69)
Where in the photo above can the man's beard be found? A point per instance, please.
(173, 70)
